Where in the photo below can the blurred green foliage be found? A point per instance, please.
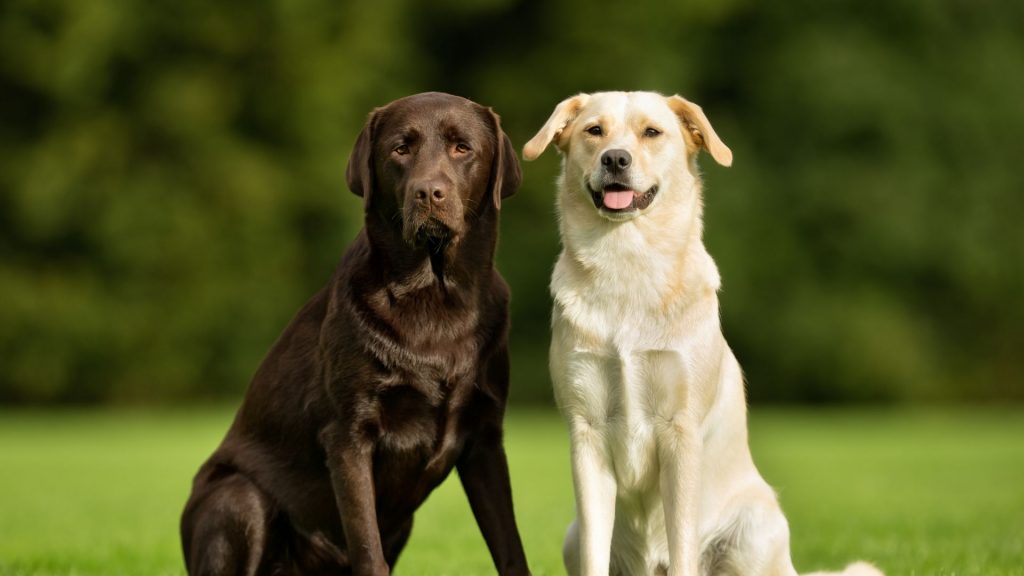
(171, 179)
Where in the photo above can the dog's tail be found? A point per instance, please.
(855, 569)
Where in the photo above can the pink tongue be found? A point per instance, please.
(618, 200)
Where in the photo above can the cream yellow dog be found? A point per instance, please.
(653, 395)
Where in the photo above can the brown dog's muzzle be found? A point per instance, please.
(433, 213)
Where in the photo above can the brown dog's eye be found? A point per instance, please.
(595, 131)
(461, 148)
(652, 132)
(401, 149)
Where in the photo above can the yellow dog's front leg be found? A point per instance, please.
(595, 498)
(679, 454)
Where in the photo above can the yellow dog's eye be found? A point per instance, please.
(401, 149)
(652, 132)
(595, 131)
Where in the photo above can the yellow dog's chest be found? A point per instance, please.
(629, 398)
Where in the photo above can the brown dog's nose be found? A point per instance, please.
(434, 191)
(616, 160)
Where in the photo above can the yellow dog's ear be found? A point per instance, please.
(555, 127)
(697, 124)
(359, 173)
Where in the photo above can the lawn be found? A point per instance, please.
(923, 492)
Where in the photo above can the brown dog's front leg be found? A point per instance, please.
(483, 470)
(350, 461)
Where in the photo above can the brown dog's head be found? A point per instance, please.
(431, 164)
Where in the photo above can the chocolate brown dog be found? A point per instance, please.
(393, 374)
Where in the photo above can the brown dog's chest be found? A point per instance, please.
(408, 418)
(421, 432)
(412, 417)
(431, 360)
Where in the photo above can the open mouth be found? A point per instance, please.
(617, 198)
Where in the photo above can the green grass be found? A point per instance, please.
(919, 492)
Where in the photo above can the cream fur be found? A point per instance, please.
(651, 392)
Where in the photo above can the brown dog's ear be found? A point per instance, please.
(359, 172)
(555, 127)
(505, 173)
(697, 124)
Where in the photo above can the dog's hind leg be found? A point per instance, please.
(225, 526)
(754, 542)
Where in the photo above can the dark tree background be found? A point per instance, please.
(172, 179)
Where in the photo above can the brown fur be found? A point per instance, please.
(391, 376)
